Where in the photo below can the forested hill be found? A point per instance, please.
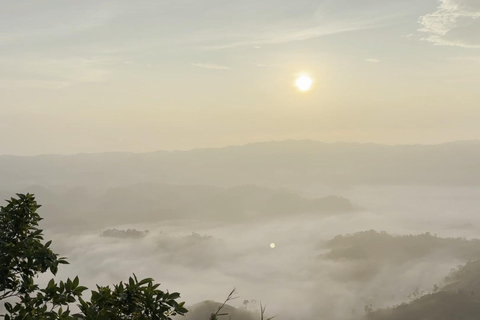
(458, 299)
(270, 163)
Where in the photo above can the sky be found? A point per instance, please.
(139, 76)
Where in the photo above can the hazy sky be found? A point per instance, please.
(90, 76)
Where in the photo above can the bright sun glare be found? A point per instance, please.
(303, 83)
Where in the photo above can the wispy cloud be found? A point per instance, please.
(289, 36)
(210, 66)
(372, 60)
(454, 23)
(316, 20)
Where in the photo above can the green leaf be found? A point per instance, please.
(75, 282)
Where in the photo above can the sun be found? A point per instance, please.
(304, 83)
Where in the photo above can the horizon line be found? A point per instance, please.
(243, 145)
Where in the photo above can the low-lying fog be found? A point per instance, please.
(350, 225)
(204, 260)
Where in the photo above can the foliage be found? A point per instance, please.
(23, 256)
(135, 300)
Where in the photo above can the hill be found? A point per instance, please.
(380, 247)
(153, 202)
(459, 298)
(203, 310)
(270, 164)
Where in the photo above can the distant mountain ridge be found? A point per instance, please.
(282, 163)
(156, 202)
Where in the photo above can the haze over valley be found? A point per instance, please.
(348, 229)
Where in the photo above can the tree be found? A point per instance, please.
(23, 256)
